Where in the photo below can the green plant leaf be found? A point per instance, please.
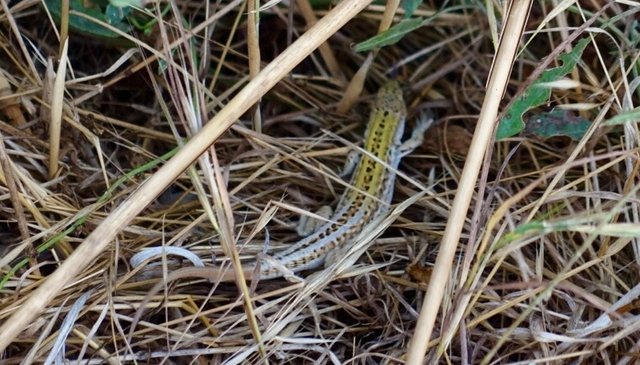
(391, 36)
(537, 93)
(410, 7)
(82, 25)
(632, 115)
(555, 123)
(126, 3)
(115, 15)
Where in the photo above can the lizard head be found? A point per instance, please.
(390, 98)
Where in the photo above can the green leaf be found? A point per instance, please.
(410, 7)
(555, 123)
(116, 15)
(391, 36)
(632, 115)
(126, 3)
(537, 94)
(85, 26)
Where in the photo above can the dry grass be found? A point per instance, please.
(546, 269)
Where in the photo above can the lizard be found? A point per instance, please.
(367, 199)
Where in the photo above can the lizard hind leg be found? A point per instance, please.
(309, 224)
(350, 163)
